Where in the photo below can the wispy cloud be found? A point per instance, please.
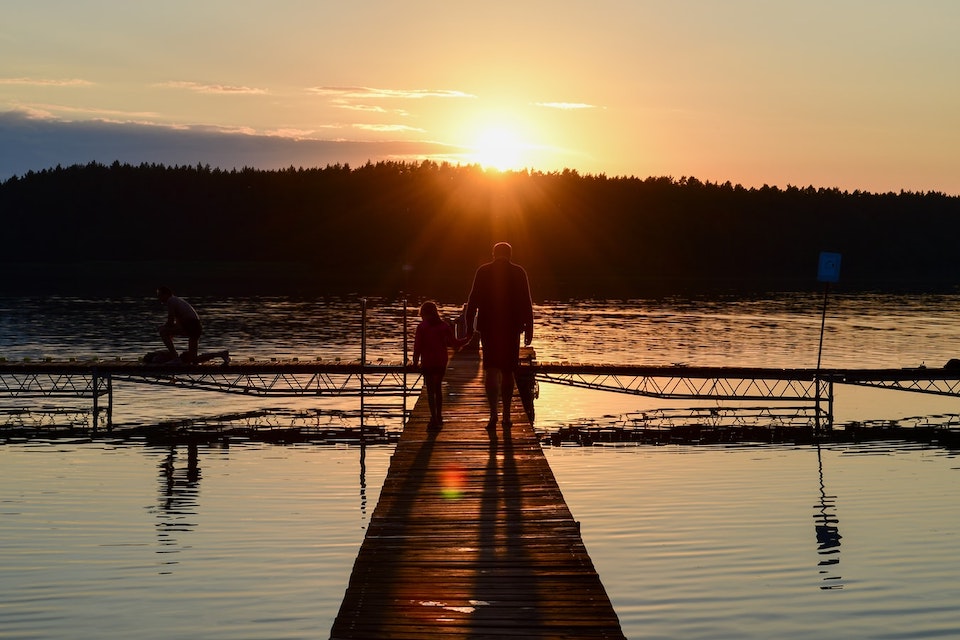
(369, 93)
(42, 111)
(369, 108)
(386, 128)
(221, 89)
(362, 107)
(566, 106)
(47, 82)
(293, 134)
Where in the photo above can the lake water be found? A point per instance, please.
(111, 538)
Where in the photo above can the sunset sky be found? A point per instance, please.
(851, 94)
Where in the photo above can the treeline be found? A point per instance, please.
(424, 228)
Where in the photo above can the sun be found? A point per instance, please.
(498, 148)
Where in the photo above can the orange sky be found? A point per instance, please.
(848, 94)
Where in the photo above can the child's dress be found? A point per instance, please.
(430, 345)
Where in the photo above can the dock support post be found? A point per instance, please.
(816, 399)
(403, 414)
(109, 402)
(824, 387)
(95, 389)
(830, 406)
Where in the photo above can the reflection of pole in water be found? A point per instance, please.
(363, 479)
(828, 533)
(178, 497)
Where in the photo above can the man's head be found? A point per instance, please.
(502, 251)
(163, 293)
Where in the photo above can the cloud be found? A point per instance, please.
(368, 93)
(221, 89)
(566, 106)
(363, 107)
(46, 82)
(366, 108)
(52, 111)
(33, 144)
(387, 127)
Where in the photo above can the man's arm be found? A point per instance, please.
(527, 310)
(470, 314)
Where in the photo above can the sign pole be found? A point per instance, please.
(828, 271)
(823, 323)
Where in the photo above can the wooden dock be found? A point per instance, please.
(471, 537)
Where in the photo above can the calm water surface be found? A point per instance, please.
(118, 540)
(769, 541)
(109, 538)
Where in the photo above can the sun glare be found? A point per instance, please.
(498, 148)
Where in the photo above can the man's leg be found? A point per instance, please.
(194, 345)
(506, 395)
(492, 384)
(166, 334)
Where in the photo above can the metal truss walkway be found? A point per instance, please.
(693, 383)
(744, 383)
(95, 380)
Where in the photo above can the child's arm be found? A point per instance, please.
(459, 343)
(452, 341)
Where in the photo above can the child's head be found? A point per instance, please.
(429, 311)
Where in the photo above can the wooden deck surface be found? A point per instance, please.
(471, 537)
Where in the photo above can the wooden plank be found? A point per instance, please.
(471, 537)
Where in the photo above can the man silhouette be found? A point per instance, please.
(182, 320)
(501, 303)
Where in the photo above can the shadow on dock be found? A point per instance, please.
(471, 537)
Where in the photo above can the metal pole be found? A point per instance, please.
(823, 324)
(363, 365)
(403, 415)
(95, 381)
(109, 402)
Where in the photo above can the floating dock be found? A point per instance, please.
(471, 537)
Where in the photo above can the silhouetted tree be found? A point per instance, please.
(426, 226)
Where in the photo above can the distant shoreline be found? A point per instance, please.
(425, 228)
(213, 278)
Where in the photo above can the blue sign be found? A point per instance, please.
(829, 269)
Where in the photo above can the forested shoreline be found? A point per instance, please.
(423, 228)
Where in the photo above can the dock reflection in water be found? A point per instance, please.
(179, 485)
(828, 533)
